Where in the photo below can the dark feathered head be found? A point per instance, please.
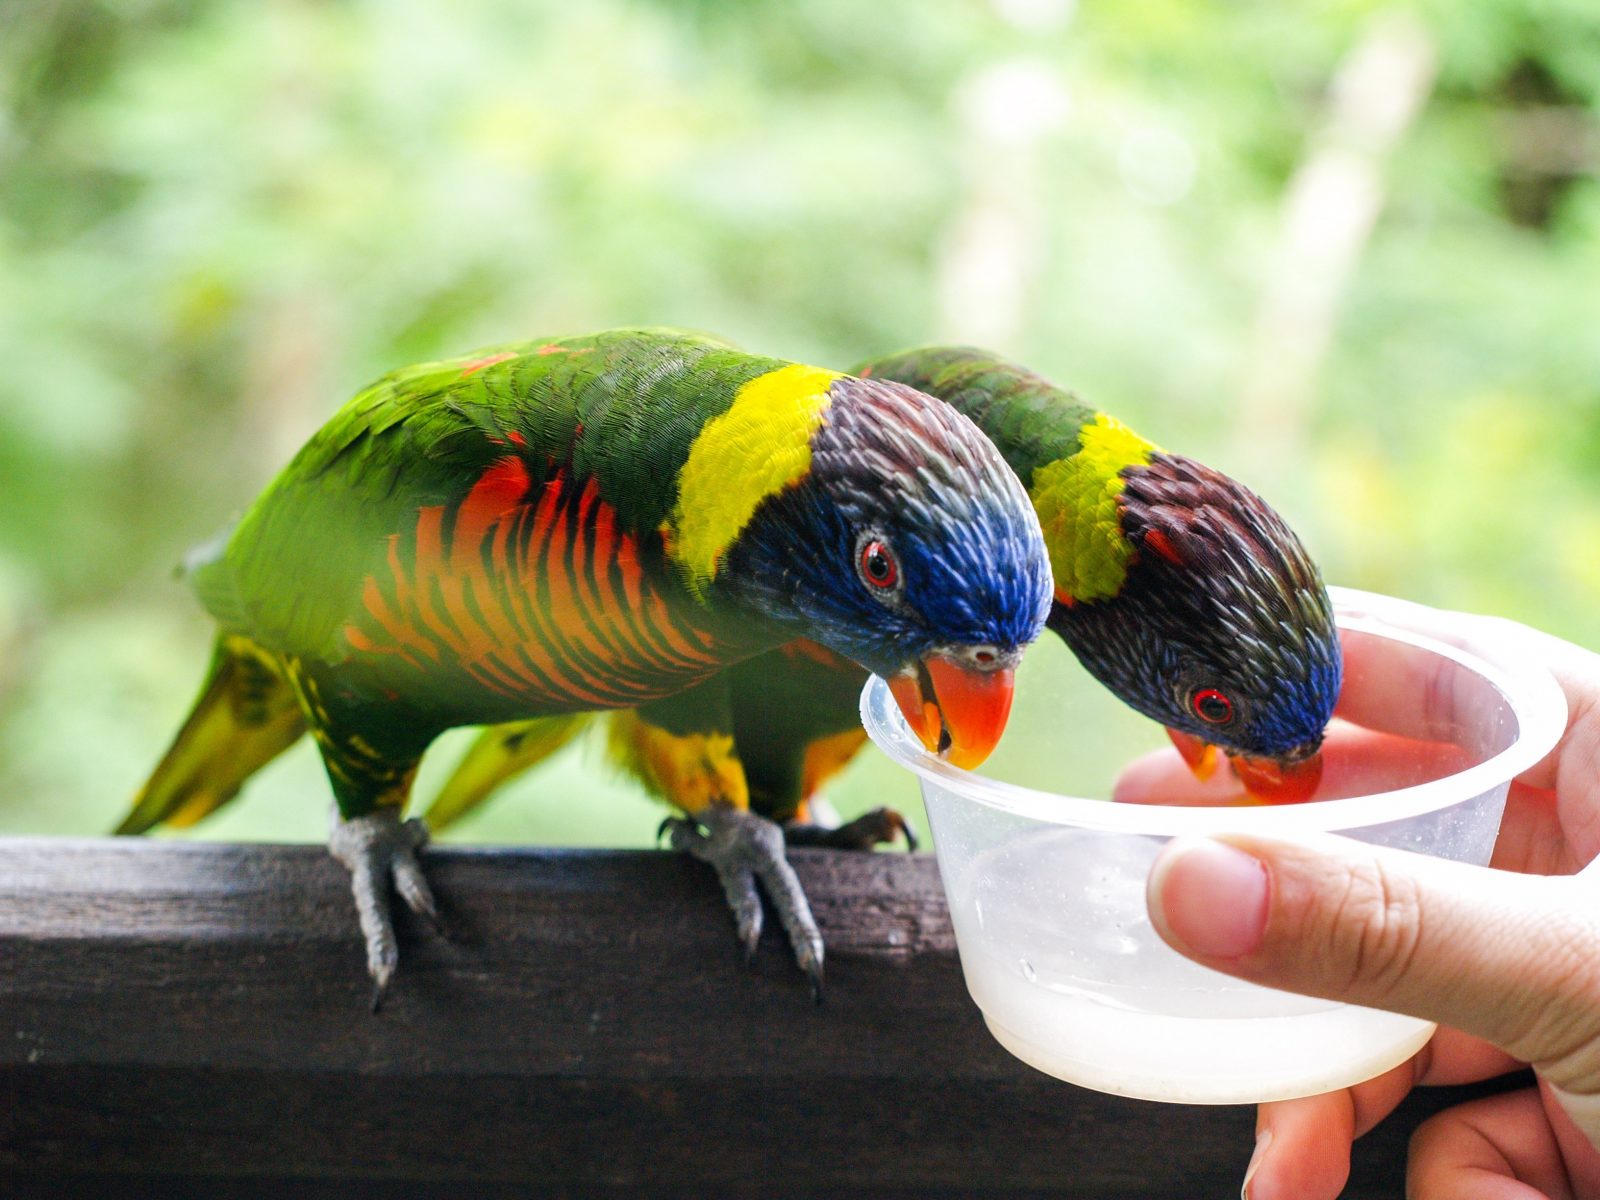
(908, 546)
(1222, 629)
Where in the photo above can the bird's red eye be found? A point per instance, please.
(1212, 707)
(878, 566)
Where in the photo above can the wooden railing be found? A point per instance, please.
(181, 1019)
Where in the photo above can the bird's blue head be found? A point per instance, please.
(910, 547)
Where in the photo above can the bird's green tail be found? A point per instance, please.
(246, 715)
(500, 752)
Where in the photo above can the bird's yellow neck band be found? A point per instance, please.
(758, 447)
(1076, 500)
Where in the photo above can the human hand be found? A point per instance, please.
(1506, 960)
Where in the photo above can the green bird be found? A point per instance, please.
(1177, 587)
(615, 521)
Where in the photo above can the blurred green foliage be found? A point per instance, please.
(217, 221)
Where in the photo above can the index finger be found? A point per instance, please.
(1407, 690)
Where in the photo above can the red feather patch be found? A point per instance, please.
(479, 364)
(534, 592)
(498, 490)
(1158, 542)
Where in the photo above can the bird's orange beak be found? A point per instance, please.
(1266, 780)
(957, 711)
(1202, 757)
(1274, 782)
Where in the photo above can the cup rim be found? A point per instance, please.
(1533, 694)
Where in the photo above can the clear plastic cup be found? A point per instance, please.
(1047, 892)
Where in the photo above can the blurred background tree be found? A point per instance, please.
(1348, 253)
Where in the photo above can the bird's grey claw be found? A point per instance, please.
(744, 848)
(682, 833)
(739, 886)
(379, 849)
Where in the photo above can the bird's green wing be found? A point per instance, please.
(621, 408)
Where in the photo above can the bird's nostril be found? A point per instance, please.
(984, 658)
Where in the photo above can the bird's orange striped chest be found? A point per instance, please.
(529, 597)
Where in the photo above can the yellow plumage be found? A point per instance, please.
(1076, 501)
(755, 449)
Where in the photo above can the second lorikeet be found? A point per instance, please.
(613, 521)
(1176, 586)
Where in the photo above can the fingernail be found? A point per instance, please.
(1210, 898)
(1263, 1140)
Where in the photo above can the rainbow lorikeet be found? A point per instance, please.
(604, 522)
(1177, 587)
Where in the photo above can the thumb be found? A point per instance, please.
(1514, 959)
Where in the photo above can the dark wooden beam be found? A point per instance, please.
(183, 1019)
